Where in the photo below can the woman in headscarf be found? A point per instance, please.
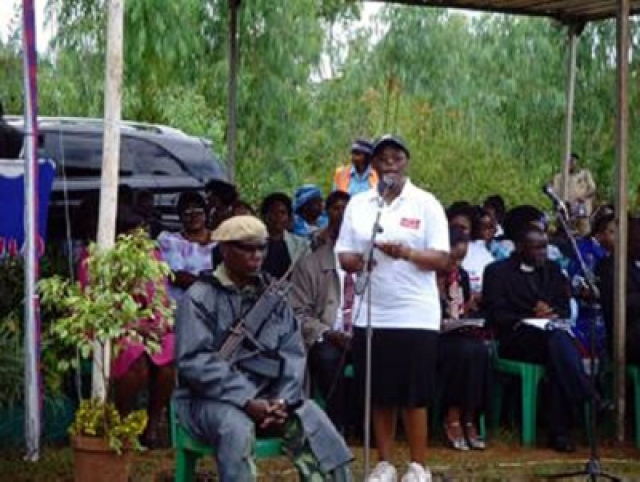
(308, 211)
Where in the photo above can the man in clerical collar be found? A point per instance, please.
(222, 400)
(529, 286)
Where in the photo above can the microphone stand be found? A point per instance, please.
(593, 468)
(364, 284)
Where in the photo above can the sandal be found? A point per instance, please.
(455, 440)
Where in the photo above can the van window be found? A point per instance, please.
(80, 154)
(152, 159)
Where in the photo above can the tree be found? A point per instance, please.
(480, 99)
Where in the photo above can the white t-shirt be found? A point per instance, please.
(403, 296)
(477, 259)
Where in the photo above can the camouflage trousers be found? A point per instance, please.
(297, 449)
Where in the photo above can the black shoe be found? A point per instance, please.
(562, 443)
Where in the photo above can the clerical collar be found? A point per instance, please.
(525, 268)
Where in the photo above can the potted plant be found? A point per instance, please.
(106, 312)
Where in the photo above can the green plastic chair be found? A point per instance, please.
(189, 450)
(530, 375)
(633, 372)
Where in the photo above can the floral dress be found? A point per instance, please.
(184, 255)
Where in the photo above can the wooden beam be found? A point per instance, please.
(572, 43)
(565, 11)
(232, 129)
(110, 166)
(620, 251)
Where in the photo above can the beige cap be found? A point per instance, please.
(240, 228)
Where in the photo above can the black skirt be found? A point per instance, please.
(464, 374)
(403, 366)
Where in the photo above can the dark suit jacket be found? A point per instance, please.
(510, 294)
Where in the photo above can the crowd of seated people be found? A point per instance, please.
(506, 266)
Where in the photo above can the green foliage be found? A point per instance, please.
(12, 333)
(11, 290)
(12, 364)
(113, 307)
(480, 99)
(108, 308)
(95, 418)
(11, 368)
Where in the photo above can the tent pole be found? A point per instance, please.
(620, 252)
(110, 166)
(234, 5)
(572, 42)
(32, 385)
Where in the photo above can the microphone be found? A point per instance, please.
(551, 194)
(382, 186)
(385, 184)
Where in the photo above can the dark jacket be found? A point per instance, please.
(510, 294)
(210, 390)
(315, 294)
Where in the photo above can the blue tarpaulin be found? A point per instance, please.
(12, 212)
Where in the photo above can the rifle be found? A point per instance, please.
(244, 333)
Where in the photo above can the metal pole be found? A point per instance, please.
(570, 100)
(367, 388)
(110, 166)
(233, 86)
(622, 148)
(32, 385)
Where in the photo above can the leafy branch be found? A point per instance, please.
(123, 300)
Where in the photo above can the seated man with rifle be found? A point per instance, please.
(241, 362)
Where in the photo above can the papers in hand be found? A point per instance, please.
(452, 325)
(547, 324)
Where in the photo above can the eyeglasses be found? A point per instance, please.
(249, 247)
(193, 212)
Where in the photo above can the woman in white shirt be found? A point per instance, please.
(405, 310)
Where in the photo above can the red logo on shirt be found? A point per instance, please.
(410, 223)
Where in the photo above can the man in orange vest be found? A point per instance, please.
(358, 176)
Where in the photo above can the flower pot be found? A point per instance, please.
(95, 461)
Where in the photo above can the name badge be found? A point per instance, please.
(410, 223)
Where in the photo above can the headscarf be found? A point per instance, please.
(304, 194)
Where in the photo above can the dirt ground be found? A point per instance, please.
(501, 461)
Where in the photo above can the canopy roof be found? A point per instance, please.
(566, 11)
